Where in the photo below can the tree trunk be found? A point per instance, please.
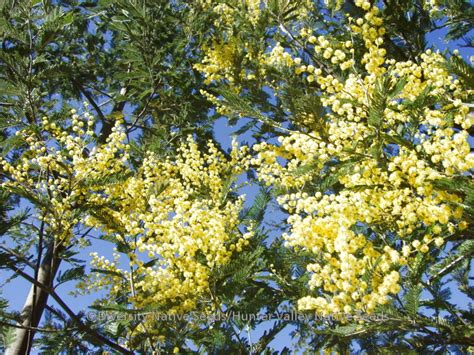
(34, 305)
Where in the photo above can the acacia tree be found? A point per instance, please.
(373, 165)
(362, 145)
(126, 60)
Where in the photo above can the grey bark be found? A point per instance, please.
(35, 305)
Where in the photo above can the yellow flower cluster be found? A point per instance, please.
(60, 169)
(434, 7)
(278, 57)
(219, 61)
(224, 55)
(229, 60)
(233, 57)
(253, 10)
(179, 213)
(334, 52)
(387, 178)
(176, 220)
(300, 150)
(228, 10)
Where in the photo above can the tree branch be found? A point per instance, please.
(82, 326)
